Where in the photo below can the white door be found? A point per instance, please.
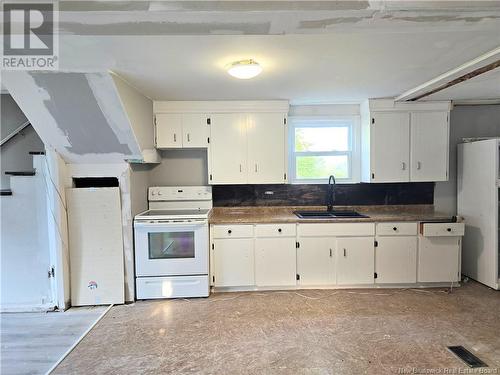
(228, 149)
(275, 262)
(194, 130)
(396, 259)
(429, 146)
(233, 262)
(390, 147)
(316, 261)
(438, 259)
(355, 260)
(266, 148)
(168, 130)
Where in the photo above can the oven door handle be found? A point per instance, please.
(139, 224)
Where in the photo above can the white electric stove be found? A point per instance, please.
(172, 243)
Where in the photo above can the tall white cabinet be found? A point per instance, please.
(478, 202)
(405, 142)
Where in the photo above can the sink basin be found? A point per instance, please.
(328, 214)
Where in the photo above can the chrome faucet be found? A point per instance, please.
(330, 197)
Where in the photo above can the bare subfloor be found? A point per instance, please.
(31, 343)
(297, 332)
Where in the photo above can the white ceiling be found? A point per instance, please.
(311, 51)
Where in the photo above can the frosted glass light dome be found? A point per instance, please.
(244, 69)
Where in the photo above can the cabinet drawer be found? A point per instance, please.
(397, 229)
(336, 229)
(442, 229)
(232, 231)
(275, 230)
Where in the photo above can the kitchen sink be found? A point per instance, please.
(328, 214)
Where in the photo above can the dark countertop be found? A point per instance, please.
(284, 214)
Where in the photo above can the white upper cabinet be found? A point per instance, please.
(168, 130)
(228, 149)
(405, 142)
(266, 134)
(429, 146)
(390, 147)
(181, 130)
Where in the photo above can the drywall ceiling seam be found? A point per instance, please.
(460, 70)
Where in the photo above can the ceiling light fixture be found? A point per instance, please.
(244, 69)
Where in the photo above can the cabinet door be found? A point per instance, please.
(168, 130)
(390, 147)
(355, 260)
(429, 146)
(228, 149)
(316, 261)
(438, 259)
(275, 262)
(194, 130)
(233, 262)
(396, 259)
(266, 148)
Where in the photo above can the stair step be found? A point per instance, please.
(37, 152)
(21, 173)
(5, 192)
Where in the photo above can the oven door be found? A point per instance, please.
(166, 248)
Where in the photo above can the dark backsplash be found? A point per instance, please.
(315, 195)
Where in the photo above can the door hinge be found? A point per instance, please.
(208, 121)
(373, 120)
(375, 275)
(297, 245)
(284, 176)
(208, 140)
(210, 177)
(213, 279)
(213, 246)
(376, 243)
(284, 121)
(51, 273)
(373, 175)
(297, 277)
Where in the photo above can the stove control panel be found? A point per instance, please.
(180, 193)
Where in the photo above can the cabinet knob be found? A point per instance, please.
(279, 230)
(395, 228)
(448, 229)
(229, 231)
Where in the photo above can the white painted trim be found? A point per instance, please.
(324, 110)
(476, 102)
(223, 106)
(384, 105)
(448, 76)
(78, 341)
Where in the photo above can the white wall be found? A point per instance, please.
(465, 121)
(180, 167)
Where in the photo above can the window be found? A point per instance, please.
(323, 147)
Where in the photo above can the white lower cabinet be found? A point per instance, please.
(275, 261)
(396, 260)
(233, 262)
(316, 261)
(355, 260)
(438, 259)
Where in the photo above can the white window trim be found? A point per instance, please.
(318, 121)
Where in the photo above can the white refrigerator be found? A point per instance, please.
(478, 202)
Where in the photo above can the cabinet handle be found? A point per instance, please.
(255, 167)
(330, 253)
(189, 138)
(240, 168)
(419, 165)
(229, 231)
(403, 166)
(345, 254)
(175, 137)
(279, 230)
